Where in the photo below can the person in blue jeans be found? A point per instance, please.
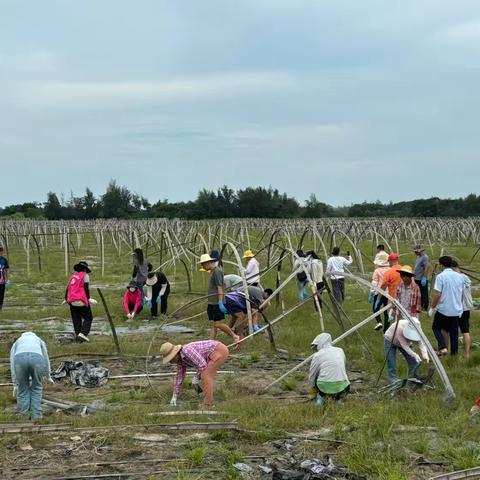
(29, 364)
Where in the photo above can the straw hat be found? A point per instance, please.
(248, 254)
(168, 351)
(206, 258)
(410, 333)
(406, 269)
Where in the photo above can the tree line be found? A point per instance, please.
(260, 202)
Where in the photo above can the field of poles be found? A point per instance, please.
(263, 416)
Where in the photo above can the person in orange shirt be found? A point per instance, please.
(391, 281)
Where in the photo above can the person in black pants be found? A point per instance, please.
(4, 276)
(158, 290)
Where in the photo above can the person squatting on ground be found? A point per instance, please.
(216, 309)
(301, 276)
(205, 356)
(158, 290)
(381, 266)
(391, 282)
(4, 276)
(336, 263)
(252, 269)
(467, 302)
(132, 300)
(447, 306)
(422, 264)
(328, 370)
(141, 267)
(400, 336)
(236, 304)
(315, 270)
(78, 298)
(408, 294)
(29, 365)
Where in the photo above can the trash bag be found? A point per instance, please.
(82, 374)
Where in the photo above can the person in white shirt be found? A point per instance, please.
(315, 269)
(336, 263)
(29, 364)
(252, 269)
(301, 276)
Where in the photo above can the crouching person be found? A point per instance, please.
(132, 300)
(29, 364)
(328, 370)
(400, 336)
(205, 356)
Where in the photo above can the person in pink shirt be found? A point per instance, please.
(132, 300)
(205, 356)
(381, 266)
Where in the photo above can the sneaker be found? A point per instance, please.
(83, 337)
(378, 326)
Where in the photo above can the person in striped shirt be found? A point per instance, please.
(205, 356)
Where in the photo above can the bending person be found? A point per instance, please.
(158, 290)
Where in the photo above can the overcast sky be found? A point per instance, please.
(351, 100)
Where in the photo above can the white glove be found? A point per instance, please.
(92, 301)
(417, 358)
(173, 401)
(195, 380)
(14, 392)
(427, 360)
(50, 380)
(431, 312)
(64, 302)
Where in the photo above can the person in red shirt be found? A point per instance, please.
(132, 300)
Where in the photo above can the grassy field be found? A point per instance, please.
(366, 425)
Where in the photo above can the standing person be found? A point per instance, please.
(4, 275)
(299, 261)
(328, 370)
(158, 290)
(336, 263)
(29, 364)
(141, 267)
(216, 309)
(381, 255)
(132, 300)
(205, 356)
(252, 269)
(315, 270)
(421, 273)
(77, 296)
(381, 266)
(447, 305)
(467, 302)
(408, 294)
(399, 337)
(391, 282)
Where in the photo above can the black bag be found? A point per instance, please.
(301, 276)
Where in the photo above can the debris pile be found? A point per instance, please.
(82, 374)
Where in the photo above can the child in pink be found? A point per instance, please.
(133, 300)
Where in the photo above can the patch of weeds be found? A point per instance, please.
(254, 357)
(196, 456)
(289, 384)
(244, 363)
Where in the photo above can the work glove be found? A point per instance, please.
(149, 303)
(158, 299)
(256, 328)
(173, 401)
(14, 391)
(305, 295)
(7, 284)
(64, 302)
(370, 297)
(431, 312)
(423, 281)
(50, 380)
(196, 385)
(129, 316)
(222, 308)
(417, 358)
(377, 303)
(92, 301)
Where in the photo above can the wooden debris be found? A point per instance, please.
(187, 412)
(472, 473)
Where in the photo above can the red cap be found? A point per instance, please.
(393, 256)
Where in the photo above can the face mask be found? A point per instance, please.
(132, 289)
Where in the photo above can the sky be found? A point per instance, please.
(351, 100)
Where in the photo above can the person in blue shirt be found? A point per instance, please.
(29, 365)
(447, 306)
(4, 276)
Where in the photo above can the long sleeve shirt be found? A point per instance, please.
(315, 268)
(410, 298)
(160, 287)
(401, 341)
(252, 271)
(193, 355)
(132, 298)
(392, 280)
(377, 278)
(338, 264)
(28, 343)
